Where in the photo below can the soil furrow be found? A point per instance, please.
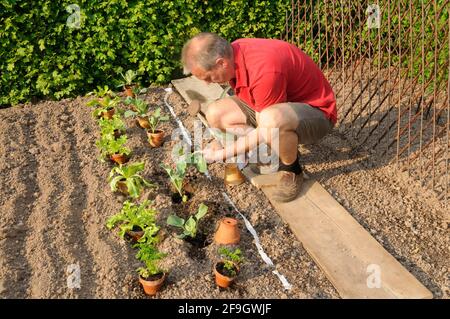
(20, 224)
(43, 250)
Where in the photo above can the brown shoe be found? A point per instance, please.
(288, 186)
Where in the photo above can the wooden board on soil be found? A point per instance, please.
(355, 263)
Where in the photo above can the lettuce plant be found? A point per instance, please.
(133, 215)
(129, 174)
(108, 146)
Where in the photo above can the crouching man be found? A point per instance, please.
(276, 86)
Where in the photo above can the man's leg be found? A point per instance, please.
(228, 116)
(298, 123)
(225, 114)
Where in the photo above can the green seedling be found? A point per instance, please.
(108, 146)
(108, 127)
(230, 259)
(130, 175)
(128, 78)
(155, 118)
(178, 174)
(140, 105)
(102, 105)
(102, 92)
(133, 215)
(189, 226)
(150, 256)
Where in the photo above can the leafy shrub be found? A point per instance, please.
(41, 55)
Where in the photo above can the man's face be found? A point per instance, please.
(220, 73)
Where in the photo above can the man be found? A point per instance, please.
(277, 86)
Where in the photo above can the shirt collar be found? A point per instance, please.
(239, 67)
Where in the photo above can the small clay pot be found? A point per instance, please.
(117, 133)
(129, 90)
(135, 234)
(155, 139)
(228, 232)
(152, 286)
(233, 175)
(108, 114)
(143, 122)
(122, 187)
(119, 158)
(221, 279)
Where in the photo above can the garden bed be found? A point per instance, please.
(56, 201)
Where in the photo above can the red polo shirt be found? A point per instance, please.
(273, 71)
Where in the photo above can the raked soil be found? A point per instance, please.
(55, 201)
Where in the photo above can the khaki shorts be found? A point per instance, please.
(312, 127)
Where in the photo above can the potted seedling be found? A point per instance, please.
(190, 226)
(140, 111)
(227, 269)
(101, 92)
(177, 175)
(136, 221)
(104, 107)
(151, 277)
(156, 136)
(177, 179)
(128, 82)
(113, 128)
(113, 148)
(126, 179)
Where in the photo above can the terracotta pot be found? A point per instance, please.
(155, 139)
(233, 175)
(122, 187)
(119, 158)
(143, 122)
(117, 133)
(135, 234)
(108, 114)
(228, 232)
(129, 90)
(151, 287)
(223, 280)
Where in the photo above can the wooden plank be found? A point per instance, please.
(192, 88)
(343, 249)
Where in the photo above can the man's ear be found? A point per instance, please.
(222, 63)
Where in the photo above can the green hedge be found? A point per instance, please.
(40, 56)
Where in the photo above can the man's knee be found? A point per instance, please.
(279, 116)
(213, 115)
(271, 118)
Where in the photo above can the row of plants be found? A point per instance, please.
(136, 222)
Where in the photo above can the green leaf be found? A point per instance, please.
(174, 220)
(202, 210)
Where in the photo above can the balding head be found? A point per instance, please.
(204, 50)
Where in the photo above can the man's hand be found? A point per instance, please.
(213, 152)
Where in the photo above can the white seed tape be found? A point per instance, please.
(249, 226)
(180, 124)
(263, 255)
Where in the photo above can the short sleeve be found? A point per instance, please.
(269, 90)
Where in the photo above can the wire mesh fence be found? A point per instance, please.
(388, 63)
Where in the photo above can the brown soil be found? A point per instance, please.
(56, 200)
